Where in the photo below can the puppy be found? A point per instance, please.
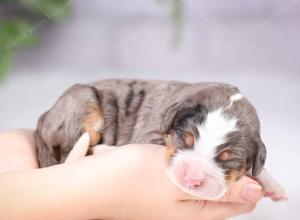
(211, 131)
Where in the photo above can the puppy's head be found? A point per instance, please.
(213, 138)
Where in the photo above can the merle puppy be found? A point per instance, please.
(211, 131)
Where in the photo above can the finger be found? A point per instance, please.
(80, 149)
(102, 148)
(246, 190)
(227, 210)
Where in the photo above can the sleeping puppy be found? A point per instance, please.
(211, 131)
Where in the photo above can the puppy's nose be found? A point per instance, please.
(192, 183)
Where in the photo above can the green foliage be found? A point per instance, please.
(176, 12)
(177, 19)
(52, 9)
(5, 62)
(13, 34)
(176, 9)
(17, 32)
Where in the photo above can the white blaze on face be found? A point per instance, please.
(213, 132)
(195, 171)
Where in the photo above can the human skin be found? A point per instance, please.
(122, 183)
(17, 150)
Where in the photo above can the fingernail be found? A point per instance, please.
(83, 140)
(85, 136)
(251, 192)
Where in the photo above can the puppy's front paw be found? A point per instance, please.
(271, 187)
(275, 192)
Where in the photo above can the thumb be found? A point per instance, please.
(80, 148)
(246, 190)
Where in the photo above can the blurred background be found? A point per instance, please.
(48, 45)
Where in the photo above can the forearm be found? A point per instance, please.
(59, 192)
(17, 150)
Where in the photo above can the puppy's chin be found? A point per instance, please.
(197, 176)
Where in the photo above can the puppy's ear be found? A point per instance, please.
(259, 159)
(168, 117)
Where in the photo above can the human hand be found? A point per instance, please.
(123, 183)
(140, 188)
(17, 150)
(131, 181)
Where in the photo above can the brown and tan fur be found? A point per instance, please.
(118, 112)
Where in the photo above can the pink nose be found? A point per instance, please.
(191, 182)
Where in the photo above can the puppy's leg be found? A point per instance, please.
(77, 111)
(270, 186)
(46, 156)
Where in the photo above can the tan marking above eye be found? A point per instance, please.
(225, 155)
(189, 139)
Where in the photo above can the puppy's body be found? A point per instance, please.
(211, 131)
(129, 112)
(140, 107)
(134, 107)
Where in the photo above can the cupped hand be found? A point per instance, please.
(142, 190)
(124, 183)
